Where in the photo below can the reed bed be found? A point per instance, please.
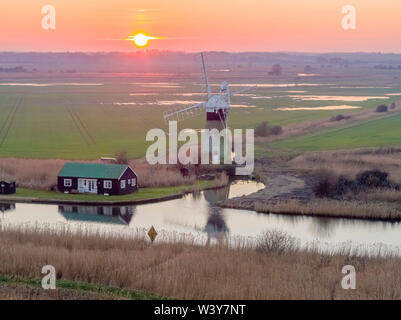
(42, 174)
(350, 163)
(187, 271)
(333, 208)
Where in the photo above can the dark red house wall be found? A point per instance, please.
(115, 190)
(128, 174)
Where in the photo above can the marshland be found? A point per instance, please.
(325, 191)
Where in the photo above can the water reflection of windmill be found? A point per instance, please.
(101, 214)
(216, 227)
(217, 107)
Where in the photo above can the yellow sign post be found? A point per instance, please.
(152, 234)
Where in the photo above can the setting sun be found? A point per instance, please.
(141, 40)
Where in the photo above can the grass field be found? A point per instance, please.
(88, 122)
(373, 133)
(141, 194)
(31, 288)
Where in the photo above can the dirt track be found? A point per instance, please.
(282, 183)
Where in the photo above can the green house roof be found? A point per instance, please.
(92, 170)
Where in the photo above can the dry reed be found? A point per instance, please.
(333, 208)
(349, 163)
(194, 272)
(42, 174)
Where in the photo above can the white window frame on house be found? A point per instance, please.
(122, 184)
(107, 184)
(67, 182)
(133, 182)
(129, 181)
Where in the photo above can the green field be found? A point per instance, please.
(141, 194)
(75, 286)
(83, 122)
(374, 133)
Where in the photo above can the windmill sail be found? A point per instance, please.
(216, 106)
(209, 93)
(244, 90)
(184, 113)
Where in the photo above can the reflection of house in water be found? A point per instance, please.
(4, 206)
(216, 227)
(101, 214)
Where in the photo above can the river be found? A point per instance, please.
(196, 216)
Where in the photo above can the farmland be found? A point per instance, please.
(87, 119)
(374, 133)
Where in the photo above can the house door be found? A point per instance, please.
(87, 185)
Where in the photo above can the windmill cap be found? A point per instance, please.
(217, 102)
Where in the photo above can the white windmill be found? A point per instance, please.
(216, 106)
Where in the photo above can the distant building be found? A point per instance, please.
(7, 187)
(97, 178)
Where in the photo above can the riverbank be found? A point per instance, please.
(142, 196)
(27, 288)
(291, 180)
(279, 269)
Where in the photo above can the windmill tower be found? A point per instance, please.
(216, 107)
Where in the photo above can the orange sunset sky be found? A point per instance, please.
(235, 25)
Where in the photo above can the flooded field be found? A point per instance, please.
(53, 84)
(118, 109)
(342, 107)
(335, 98)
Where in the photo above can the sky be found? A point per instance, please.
(202, 25)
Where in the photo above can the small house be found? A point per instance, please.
(7, 187)
(97, 178)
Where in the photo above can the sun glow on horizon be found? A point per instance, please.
(141, 39)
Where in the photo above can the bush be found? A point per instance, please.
(263, 130)
(343, 185)
(275, 131)
(275, 241)
(340, 117)
(122, 157)
(328, 185)
(373, 179)
(325, 185)
(393, 105)
(382, 108)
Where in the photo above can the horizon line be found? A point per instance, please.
(207, 51)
